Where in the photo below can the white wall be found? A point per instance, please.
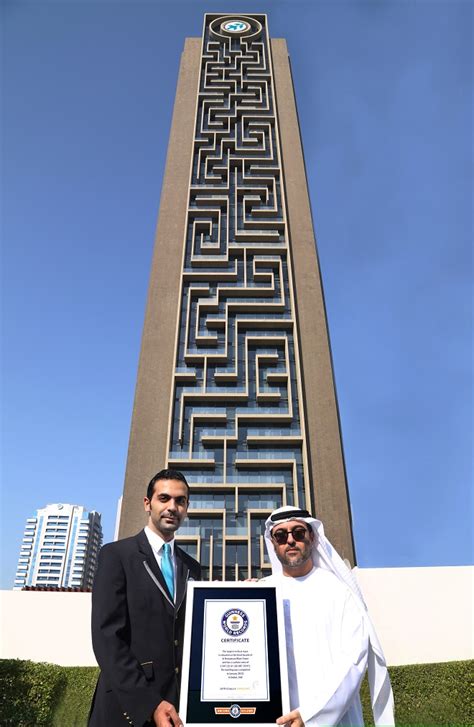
(46, 626)
(421, 615)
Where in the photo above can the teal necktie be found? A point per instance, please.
(167, 568)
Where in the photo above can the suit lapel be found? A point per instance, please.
(151, 565)
(182, 575)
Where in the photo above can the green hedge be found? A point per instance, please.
(73, 708)
(29, 692)
(429, 694)
(43, 694)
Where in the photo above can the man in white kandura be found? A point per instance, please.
(330, 639)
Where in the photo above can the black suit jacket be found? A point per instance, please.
(137, 632)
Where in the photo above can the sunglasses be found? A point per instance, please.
(281, 536)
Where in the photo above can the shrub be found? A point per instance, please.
(33, 695)
(73, 708)
(429, 694)
(29, 692)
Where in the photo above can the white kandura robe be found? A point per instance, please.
(327, 646)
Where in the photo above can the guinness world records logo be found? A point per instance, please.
(235, 622)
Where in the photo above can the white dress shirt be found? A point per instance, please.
(156, 544)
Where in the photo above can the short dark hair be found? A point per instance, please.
(165, 475)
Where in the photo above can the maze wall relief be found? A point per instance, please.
(236, 427)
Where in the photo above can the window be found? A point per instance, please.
(48, 570)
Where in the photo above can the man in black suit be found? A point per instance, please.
(138, 615)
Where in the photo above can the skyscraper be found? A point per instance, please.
(235, 384)
(60, 548)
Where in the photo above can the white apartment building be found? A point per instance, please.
(60, 548)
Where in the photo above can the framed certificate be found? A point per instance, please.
(234, 660)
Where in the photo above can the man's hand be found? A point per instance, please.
(293, 719)
(165, 715)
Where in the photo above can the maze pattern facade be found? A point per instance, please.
(237, 419)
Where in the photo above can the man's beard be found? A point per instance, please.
(295, 562)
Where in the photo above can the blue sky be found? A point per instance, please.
(384, 92)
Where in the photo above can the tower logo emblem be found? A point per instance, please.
(235, 622)
(235, 711)
(236, 26)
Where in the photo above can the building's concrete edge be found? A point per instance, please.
(147, 452)
(327, 470)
